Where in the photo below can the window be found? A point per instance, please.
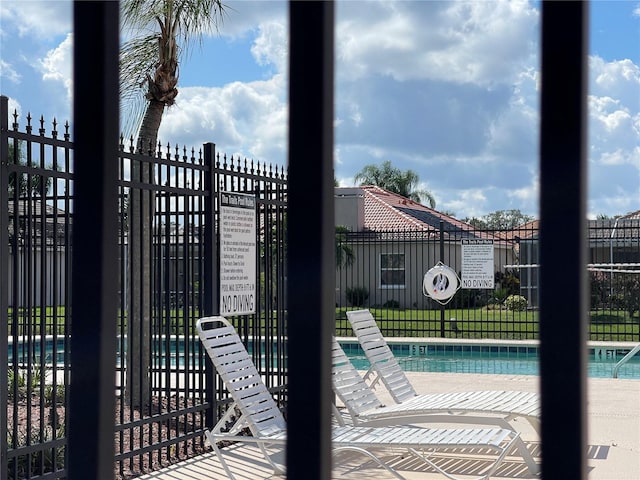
(392, 273)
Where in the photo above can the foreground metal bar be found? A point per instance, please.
(310, 243)
(563, 288)
(95, 276)
(4, 267)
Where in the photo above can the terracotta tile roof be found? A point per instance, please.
(380, 212)
(385, 211)
(527, 230)
(626, 226)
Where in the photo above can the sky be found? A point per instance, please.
(449, 90)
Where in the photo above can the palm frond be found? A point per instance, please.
(158, 31)
(138, 57)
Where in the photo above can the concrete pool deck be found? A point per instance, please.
(613, 415)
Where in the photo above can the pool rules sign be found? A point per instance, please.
(237, 253)
(477, 263)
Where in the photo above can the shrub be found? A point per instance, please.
(48, 460)
(357, 296)
(516, 303)
(500, 295)
(54, 396)
(509, 281)
(23, 383)
(468, 298)
(391, 304)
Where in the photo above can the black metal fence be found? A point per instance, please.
(385, 273)
(169, 219)
(169, 212)
(35, 174)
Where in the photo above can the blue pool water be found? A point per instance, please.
(504, 360)
(495, 360)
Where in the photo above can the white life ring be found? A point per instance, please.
(440, 282)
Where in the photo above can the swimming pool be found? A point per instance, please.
(492, 359)
(467, 357)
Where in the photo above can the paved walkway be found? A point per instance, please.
(614, 438)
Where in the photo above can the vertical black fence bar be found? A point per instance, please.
(4, 278)
(311, 230)
(563, 214)
(95, 278)
(442, 259)
(210, 290)
(55, 285)
(281, 272)
(29, 290)
(124, 195)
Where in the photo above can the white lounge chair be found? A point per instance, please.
(385, 368)
(365, 408)
(260, 413)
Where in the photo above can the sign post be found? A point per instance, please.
(477, 264)
(237, 254)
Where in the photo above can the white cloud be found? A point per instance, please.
(57, 64)
(614, 131)
(616, 199)
(619, 79)
(7, 71)
(43, 19)
(463, 42)
(271, 46)
(248, 119)
(244, 16)
(527, 195)
(14, 106)
(464, 203)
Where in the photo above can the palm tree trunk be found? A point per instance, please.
(141, 212)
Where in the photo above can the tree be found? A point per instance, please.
(476, 222)
(344, 251)
(604, 216)
(396, 181)
(28, 185)
(500, 220)
(160, 33)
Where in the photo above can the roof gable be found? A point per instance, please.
(385, 210)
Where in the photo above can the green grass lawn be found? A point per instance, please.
(487, 323)
(477, 323)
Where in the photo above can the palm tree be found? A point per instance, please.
(159, 34)
(22, 184)
(395, 180)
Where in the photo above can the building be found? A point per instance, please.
(395, 241)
